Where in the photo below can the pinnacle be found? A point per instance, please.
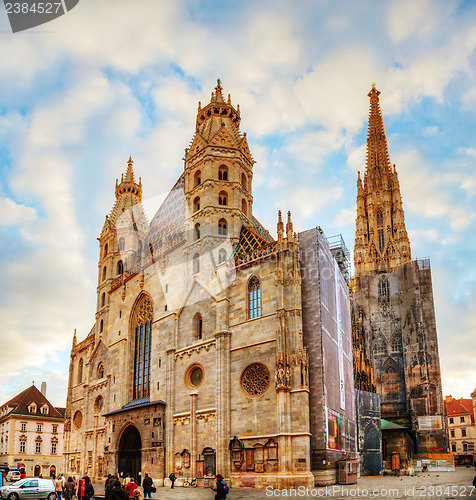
(130, 171)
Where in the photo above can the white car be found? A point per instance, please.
(13, 475)
(29, 488)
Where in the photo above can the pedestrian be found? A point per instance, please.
(107, 480)
(69, 489)
(147, 485)
(88, 488)
(221, 489)
(474, 481)
(109, 487)
(130, 487)
(118, 492)
(127, 479)
(172, 478)
(138, 494)
(58, 488)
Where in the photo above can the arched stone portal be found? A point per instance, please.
(130, 453)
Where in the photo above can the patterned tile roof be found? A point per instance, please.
(249, 240)
(460, 407)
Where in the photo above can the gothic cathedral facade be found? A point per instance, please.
(199, 358)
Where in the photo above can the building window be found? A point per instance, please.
(383, 289)
(53, 448)
(197, 231)
(44, 410)
(453, 448)
(78, 419)
(244, 207)
(223, 173)
(381, 240)
(23, 427)
(221, 256)
(452, 420)
(103, 299)
(104, 273)
(197, 180)
(397, 345)
(120, 267)
(32, 408)
(196, 204)
(255, 379)
(381, 345)
(198, 326)
(101, 326)
(380, 218)
(243, 180)
(222, 198)
(461, 419)
(465, 447)
(22, 446)
(452, 433)
(463, 432)
(101, 370)
(143, 316)
(38, 447)
(222, 227)
(105, 250)
(196, 263)
(193, 376)
(80, 370)
(254, 298)
(55, 429)
(122, 244)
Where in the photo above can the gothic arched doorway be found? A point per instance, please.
(130, 454)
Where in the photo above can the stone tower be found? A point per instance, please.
(392, 299)
(381, 240)
(121, 242)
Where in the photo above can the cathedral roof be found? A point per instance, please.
(136, 403)
(249, 240)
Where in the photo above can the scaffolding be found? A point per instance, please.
(341, 254)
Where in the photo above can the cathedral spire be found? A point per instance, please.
(128, 184)
(381, 239)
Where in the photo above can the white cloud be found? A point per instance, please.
(306, 201)
(15, 214)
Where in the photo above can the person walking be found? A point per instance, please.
(130, 487)
(172, 478)
(221, 489)
(118, 492)
(69, 489)
(147, 485)
(59, 488)
(88, 488)
(109, 487)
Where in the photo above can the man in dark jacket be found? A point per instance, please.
(147, 485)
(118, 492)
(109, 487)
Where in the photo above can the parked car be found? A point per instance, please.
(13, 475)
(29, 488)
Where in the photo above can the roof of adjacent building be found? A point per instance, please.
(20, 404)
(460, 407)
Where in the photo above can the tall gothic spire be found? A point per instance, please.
(381, 239)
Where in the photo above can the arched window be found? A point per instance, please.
(197, 231)
(105, 249)
(381, 240)
(223, 173)
(104, 273)
(80, 371)
(222, 198)
(221, 256)
(254, 298)
(390, 366)
(101, 370)
(196, 204)
(383, 289)
(120, 267)
(198, 326)
(196, 263)
(142, 318)
(243, 181)
(197, 179)
(397, 345)
(101, 326)
(122, 244)
(222, 227)
(244, 206)
(379, 218)
(103, 299)
(380, 345)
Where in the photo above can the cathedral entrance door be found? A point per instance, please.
(130, 453)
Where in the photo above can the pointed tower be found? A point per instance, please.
(381, 239)
(121, 242)
(217, 175)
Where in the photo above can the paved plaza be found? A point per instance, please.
(443, 485)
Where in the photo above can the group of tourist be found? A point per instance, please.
(70, 488)
(119, 488)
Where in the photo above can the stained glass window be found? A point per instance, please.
(254, 297)
(143, 340)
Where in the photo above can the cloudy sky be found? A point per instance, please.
(114, 78)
